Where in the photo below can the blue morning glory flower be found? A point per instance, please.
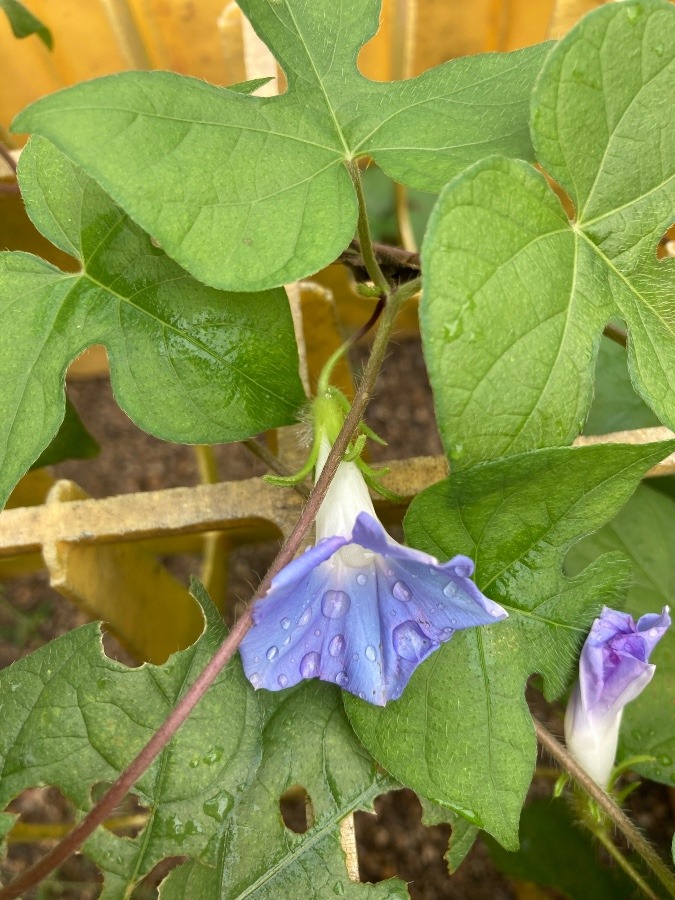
(613, 670)
(358, 609)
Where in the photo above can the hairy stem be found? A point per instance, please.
(616, 334)
(621, 821)
(225, 652)
(257, 448)
(620, 859)
(371, 263)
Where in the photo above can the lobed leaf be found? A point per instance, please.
(251, 192)
(188, 363)
(72, 717)
(511, 325)
(461, 734)
(306, 743)
(643, 530)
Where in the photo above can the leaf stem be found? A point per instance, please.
(609, 845)
(607, 805)
(257, 448)
(71, 843)
(8, 158)
(367, 251)
(616, 334)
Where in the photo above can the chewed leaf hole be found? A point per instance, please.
(296, 809)
(45, 816)
(394, 842)
(128, 818)
(666, 246)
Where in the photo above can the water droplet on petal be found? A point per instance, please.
(256, 659)
(317, 632)
(341, 678)
(285, 623)
(361, 579)
(464, 570)
(337, 646)
(254, 678)
(409, 641)
(309, 665)
(451, 589)
(370, 653)
(272, 653)
(355, 656)
(283, 680)
(287, 641)
(402, 592)
(305, 617)
(335, 604)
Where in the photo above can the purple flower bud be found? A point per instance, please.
(358, 609)
(613, 670)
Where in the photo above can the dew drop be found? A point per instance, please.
(309, 665)
(287, 641)
(305, 617)
(355, 656)
(341, 678)
(337, 646)
(272, 653)
(451, 589)
(363, 697)
(664, 759)
(464, 570)
(409, 641)
(370, 653)
(361, 579)
(401, 591)
(335, 604)
(283, 680)
(254, 678)
(256, 659)
(317, 632)
(285, 623)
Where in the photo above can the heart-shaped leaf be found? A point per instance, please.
(461, 734)
(511, 325)
(188, 363)
(252, 192)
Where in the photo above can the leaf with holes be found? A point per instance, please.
(308, 745)
(252, 192)
(461, 733)
(511, 325)
(188, 363)
(644, 530)
(72, 717)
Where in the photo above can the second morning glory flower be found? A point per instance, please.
(358, 609)
(614, 669)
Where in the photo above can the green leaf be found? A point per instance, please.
(616, 406)
(252, 192)
(511, 325)
(461, 734)
(555, 852)
(23, 23)
(187, 363)
(462, 837)
(644, 531)
(72, 717)
(72, 441)
(307, 743)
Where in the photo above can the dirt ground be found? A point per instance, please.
(392, 842)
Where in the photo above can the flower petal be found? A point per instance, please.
(361, 618)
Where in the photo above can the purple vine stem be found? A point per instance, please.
(75, 838)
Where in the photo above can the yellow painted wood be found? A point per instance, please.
(145, 607)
